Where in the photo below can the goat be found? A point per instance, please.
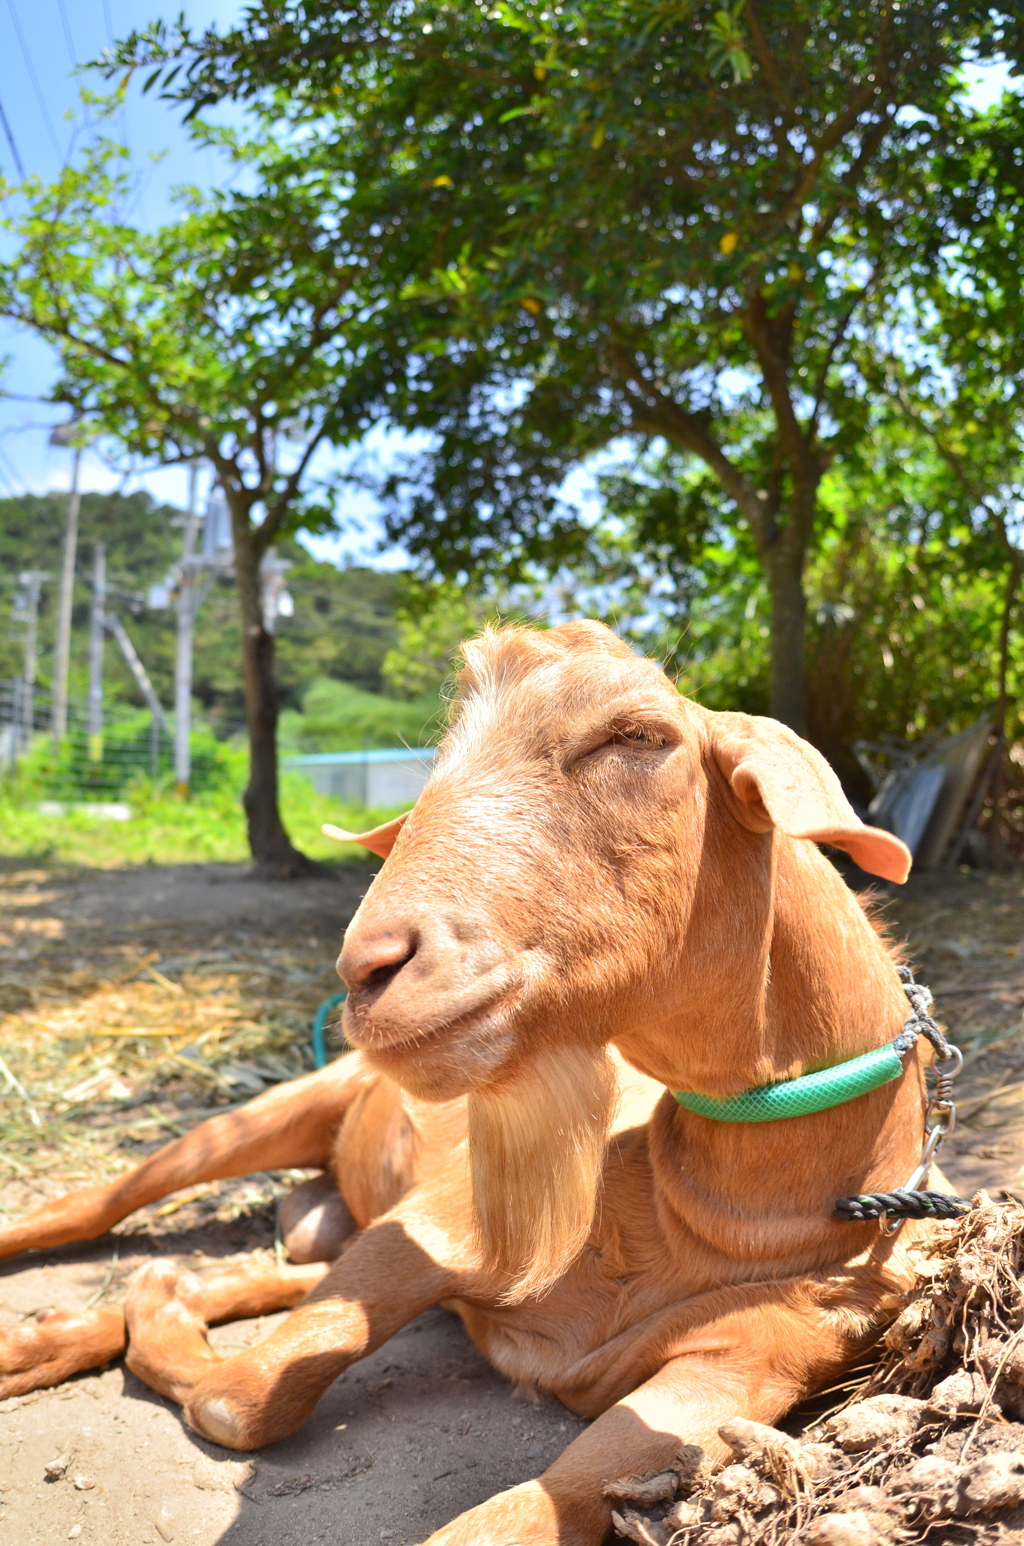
(605, 893)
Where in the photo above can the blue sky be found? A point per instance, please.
(40, 41)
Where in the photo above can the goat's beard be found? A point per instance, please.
(537, 1147)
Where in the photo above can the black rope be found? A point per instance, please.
(904, 1204)
(900, 1204)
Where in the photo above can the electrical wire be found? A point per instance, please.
(72, 55)
(123, 114)
(8, 132)
(62, 8)
(33, 77)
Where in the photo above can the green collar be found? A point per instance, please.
(799, 1097)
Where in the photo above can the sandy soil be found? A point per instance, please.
(423, 1429)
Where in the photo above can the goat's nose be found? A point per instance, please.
(371, 959)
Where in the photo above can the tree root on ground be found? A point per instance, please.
(930, 1447)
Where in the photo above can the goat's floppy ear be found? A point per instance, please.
(781, 781)
(380, 841)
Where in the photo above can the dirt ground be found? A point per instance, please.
(134, 1002)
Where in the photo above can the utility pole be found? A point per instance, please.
(157, 717)
(32, 579)
(63, 435)
(116, 627)
(96, 642)
(183, 651)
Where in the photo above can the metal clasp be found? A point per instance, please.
(939, 1122)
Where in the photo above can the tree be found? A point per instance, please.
(663, 220)
(219, 335)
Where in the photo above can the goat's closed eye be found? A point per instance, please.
(626, 734)
(635, 735)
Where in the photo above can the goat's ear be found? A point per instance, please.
(781, 781)
(380, 841)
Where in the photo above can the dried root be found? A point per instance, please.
(931, 1447)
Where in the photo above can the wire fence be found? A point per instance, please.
(133, 744)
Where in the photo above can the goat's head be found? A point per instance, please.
(542, 896)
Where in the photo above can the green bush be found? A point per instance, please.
(127, 757)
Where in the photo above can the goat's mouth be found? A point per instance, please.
(446, 1057)
(373, 1030)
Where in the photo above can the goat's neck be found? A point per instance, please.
(810, 985)
(778, 976)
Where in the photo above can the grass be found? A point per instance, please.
(105, 1062)
(167, 830)
(108, 1049)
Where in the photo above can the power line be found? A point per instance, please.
(67, 31)
(125, 139)
(14, 149)
(33, 77)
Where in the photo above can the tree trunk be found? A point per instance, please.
(784, 555)
(272, 849)
(784, 572)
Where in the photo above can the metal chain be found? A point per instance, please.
(892, 1208)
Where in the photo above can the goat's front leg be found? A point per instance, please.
(60, 1343)
(756, 1363)
(398, 1267)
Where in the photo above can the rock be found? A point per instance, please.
(642, 1490)
(930, 1482)
(995, 1355)
(633, 1528)
(686, 1514)
(84, 1483)
(876, 1421)
(53, 1470)
(764, 1447)
(817, 1460)
(724, 1535)
(862, 1497)
(994, 1481)
(740, 1490)
(963, 1392)
(856, 1528)
(746, 1438)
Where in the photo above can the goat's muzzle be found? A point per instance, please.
(429, 998)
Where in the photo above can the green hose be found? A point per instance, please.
(319, 1022)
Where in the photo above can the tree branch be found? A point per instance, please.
(653, 412)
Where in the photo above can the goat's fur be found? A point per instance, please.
(538, 1139)
(604, 890)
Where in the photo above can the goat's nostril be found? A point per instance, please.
(374, 962)
(380, 976)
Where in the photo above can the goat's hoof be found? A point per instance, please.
(216, 1418)
(162, 1291)
(248, 1401)
(59, 1344)
(167, 1346)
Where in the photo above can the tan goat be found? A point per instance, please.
(605, 893)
